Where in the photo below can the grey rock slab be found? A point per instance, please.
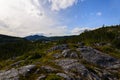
(10, 74)
(13, 74)
(48, 68)
(41, 77)
(97, 57)
(26, 69)
(57, 55)
(58, 47)
(68, 53)
(65, 76)
(72, 65)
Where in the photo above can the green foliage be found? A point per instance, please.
(116, 43)
(110, 50)
(99, 35)
(53, 77)
(36, 49)
(12, 50)
(35, 56)
(105, 34)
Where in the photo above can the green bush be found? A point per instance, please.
(35, 55)
(116, 43)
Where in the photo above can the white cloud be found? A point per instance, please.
(78, 30)
(25, 17)
(58, 31)
(61, 4)
(99, 13)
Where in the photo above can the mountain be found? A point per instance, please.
(92, 55)
(44, 38)
(36, 37)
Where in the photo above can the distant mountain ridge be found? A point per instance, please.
(44, 38)
(36, 37)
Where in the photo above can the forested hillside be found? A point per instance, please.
(9, 39)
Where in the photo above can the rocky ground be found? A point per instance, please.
(80, 63)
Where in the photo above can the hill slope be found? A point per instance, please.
(104, 34)
(93, 55)
(9, 39)
(108, 34)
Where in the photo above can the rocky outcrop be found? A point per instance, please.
(58, 47)
(75, 70)
(68, 53)
(83, 63)
(42, 76)
(70, 62)
(65, 76)
(48, 69)
(13, 74)
(26, 69)
(57, 55)
(99, 58)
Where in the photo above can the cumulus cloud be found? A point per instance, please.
(57, 5)
(25, 17)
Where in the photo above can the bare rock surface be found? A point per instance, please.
(65, 76)
(99, 58)
(48, 69)
(13, 74)
(83, 63)
(58, 47)
(77, 70)
(68, 53)
(42, 76)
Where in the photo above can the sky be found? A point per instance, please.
(56, 17)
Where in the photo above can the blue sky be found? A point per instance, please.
(93, 13)
(56, 17)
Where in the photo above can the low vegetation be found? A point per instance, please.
(12, 49)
